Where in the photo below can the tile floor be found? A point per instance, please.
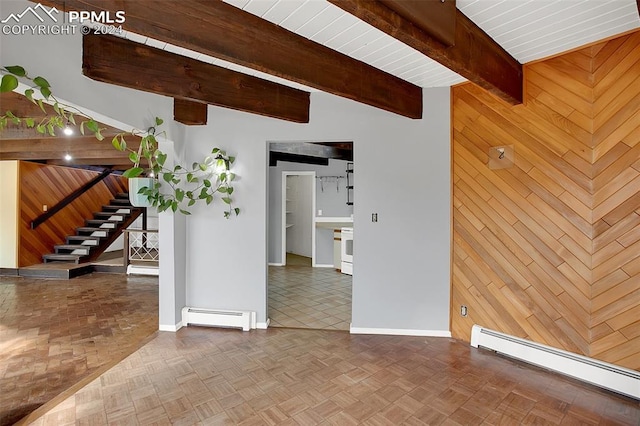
(304, 297)
(55, 333)
(204, 376)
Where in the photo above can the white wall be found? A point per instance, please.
(8, 214)
(401, 278)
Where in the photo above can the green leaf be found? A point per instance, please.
(40, 128)
(46, 92)
(229, 190)
(237, 210)
(92, 126)
(203, 167)
(185, 212)
(227, 215)
(179, 194)
(134, 158)
(215, 150)
(159, 121)
(41, 105)
(203, 193)
(231, 176)
(174, 206)
(99, 135)
(226, 200)
(116, 143)
(189, 177)
(167, 177)
(209, 199)
(30, 122)
(232, 159)
(16, 70)
(161, 158)
(133, 172)
(56, 108)
(123, 143)
(71, 119)
(191, 202)
(207, 183)
(82, 128)
(222, 189)
(29, 94)
(41, 82)
(51, 130)
(8, 83)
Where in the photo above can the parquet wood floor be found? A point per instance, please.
(55, 333)
(310, 377)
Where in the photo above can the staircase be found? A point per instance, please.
(97, 234)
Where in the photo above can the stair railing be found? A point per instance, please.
(141, 246)
(69, 199)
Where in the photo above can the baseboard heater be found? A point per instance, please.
(599, 373)
(245, 320)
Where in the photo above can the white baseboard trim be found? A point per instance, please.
(263, 325)
(275, 264)
(173, 328)
(323, 265)
(400, 332)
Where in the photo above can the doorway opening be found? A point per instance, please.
(307, 197)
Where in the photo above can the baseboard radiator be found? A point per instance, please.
(599, 373)
(245, 320)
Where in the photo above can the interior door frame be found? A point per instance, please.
(283, 214)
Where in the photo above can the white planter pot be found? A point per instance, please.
(135, 184)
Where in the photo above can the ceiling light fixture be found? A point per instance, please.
(68, 157)
(68, 130)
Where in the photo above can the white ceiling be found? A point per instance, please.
(527, 29)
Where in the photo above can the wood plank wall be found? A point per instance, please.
(549, 249)
(43, 184)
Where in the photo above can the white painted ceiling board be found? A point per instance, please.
(532, 30)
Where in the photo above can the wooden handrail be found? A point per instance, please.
(69, 199)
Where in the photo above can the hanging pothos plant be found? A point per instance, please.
(176, 188)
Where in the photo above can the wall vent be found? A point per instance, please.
(599, 373)
(245, 320)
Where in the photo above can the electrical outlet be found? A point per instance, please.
(374, 217)
(463, 310)
(45, 207)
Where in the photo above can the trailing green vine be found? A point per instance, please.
(188, 185)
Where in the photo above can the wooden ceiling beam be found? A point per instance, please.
(224, 31)
(474, 55)
(39, 143)
(436, 18)
(137, 66)
(189, 112)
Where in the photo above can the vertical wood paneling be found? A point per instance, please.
(46, 185)
(550, 248)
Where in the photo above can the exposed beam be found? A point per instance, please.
(437, 18)
(475, 55)
(227, 32)
(189, 112)
(125, 63)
